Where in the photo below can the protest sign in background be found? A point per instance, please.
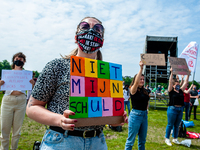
(16, 80)
(153, 59)
(179, 66)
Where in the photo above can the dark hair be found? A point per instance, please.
(20, 55)
(174, 81)
(143, 89)
(75, 51)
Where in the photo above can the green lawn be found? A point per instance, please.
(157, 121)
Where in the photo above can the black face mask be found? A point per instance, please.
(126, 88)
(18, 63)
(177, 87)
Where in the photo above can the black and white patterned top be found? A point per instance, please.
(53, 87)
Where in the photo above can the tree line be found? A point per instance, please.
(7, 66)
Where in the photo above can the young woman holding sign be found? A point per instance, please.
(53, 87)
(13, 108)
(138, 117)
(175, 109)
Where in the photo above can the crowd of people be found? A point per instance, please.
(52, 89)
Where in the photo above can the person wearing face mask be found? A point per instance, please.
(187, 101)
(126, 94)
(193, 96)
(148, 89)
(175, 108)
(138, 122)
(53, 88)
(13, 108)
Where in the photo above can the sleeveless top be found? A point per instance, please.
(176, 98)
(139, 100)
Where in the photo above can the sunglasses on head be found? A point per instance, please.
(85, 26)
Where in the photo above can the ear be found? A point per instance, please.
(102, 42)
(76, 40)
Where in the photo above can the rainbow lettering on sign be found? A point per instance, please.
(96, 88)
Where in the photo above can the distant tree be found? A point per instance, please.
(195, 83)
(36, 74)
(4, 65)
(127, 79)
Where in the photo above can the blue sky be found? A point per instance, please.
(43, 30)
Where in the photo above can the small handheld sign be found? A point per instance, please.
(96, 94)
(179, 66)
(153, 59)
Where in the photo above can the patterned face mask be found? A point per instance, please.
(89, 41)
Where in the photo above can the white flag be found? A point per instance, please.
(190, 55)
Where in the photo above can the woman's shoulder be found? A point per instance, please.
(58, 63)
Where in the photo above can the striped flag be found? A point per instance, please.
(190, 55)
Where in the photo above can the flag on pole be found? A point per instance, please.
(190, 55)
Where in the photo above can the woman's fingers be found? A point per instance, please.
(67, 113)
(68, 124)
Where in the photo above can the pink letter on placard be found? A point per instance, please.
(107, 106)
(77, 86)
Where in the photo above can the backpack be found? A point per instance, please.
(182, 130)
(117, 128)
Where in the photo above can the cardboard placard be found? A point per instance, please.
(16, 80)
(96, 94)
(153, 59)
(179, 66)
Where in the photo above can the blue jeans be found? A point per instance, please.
(187, 108)
(137, 125)
(53, 140)
(174, 116)
(127, 103)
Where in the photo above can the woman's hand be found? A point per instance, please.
(125, 120)
(1, 82)
(141, 64)
(66, 123)
(171, 69)
(32, 82)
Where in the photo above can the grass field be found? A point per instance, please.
(157, 121)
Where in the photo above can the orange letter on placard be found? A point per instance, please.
(103, 88)
(77, 65)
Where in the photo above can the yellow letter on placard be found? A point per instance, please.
(90, 68)
(116, 88)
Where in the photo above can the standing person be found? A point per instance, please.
(13, 107)
(193, 96)
(148, 89)
(126, 94)
(53, 87)
(187, 102)
(138, 117)
(175, 109)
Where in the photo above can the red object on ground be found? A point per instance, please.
(192, 135)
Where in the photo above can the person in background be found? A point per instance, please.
(13, 107)
(175, 108)
(138, 122)
(29, 91)
(162, 90)
(187, 102)
(126, 94)
(193, 96)
(158, 90)
(148, 89)
(53, 88)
